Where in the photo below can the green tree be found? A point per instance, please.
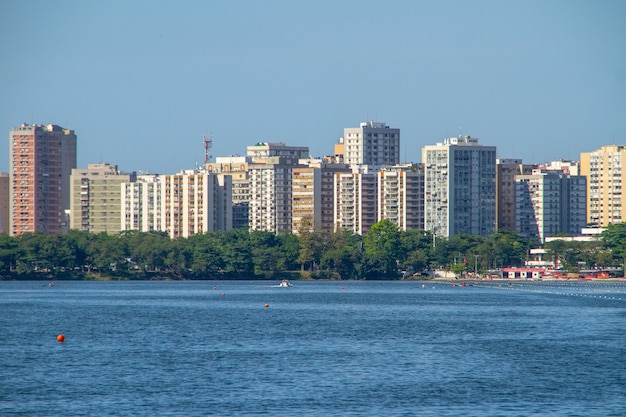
(382, 247)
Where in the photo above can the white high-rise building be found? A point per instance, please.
(141, 204)
(183, 204)
(271, 195)
(459, 187)
(372, 143)
(548, 203)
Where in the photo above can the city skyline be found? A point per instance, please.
(141, 83)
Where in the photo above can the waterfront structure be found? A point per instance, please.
(181, 205)
(549, 203)
(506, 170)
(4, 202)
(459, 187)
(605, 169)
(41, 160)
(401, 195)
(355, 201)
(236, 167)
(96, 196)
(372, 143)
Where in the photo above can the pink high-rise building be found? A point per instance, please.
(41, 160)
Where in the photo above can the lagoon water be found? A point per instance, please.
(213, 348)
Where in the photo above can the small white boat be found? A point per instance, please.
(285, 283)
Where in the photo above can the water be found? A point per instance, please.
(213, 348)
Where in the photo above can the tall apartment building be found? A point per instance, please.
(96, 197)
(506, 170)
(356, 201)
(313, 195)
(4, 202)
(41, 161)
(459, 187)
(401, 195)
(605, 169)
(372, 143)
(549, 203)
(141, 204)
(236, 167)
(270, 206)
(182, 204)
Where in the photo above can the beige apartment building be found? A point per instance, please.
(96, 198)
(605, 169)
(401, 195)
(355, 201)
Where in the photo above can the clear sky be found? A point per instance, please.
(141, 82)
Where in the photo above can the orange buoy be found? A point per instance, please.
(60, 338)
(267, 305)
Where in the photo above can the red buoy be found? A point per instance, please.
(60, 338)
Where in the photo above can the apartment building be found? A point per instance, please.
(236, 167)
(313, 195)
(182, 204)
(459, 187)
(549, 203)
(372, 143)
(401, 195)
(355, 201)
(605, 169)
(506, 170)
(270, 206)
(41, 160)
(96, 198)
(141, 204)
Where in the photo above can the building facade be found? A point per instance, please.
(270, 207)
(141, 204)
(236, 167)
(96, 198)
(372, 143)
(181, 205)
(459, 187)
(506, 170)
(356, 201)
(605, 170)
(41, 161)
(313, 195)
(401, 196)
(549, 203)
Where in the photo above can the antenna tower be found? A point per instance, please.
(208, 143)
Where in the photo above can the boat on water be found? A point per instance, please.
(285, 283)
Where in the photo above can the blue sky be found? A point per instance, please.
(141, 82)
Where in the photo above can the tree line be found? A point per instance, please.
(385, 252)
